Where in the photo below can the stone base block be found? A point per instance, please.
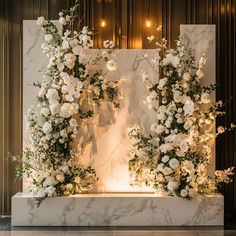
(118, 210)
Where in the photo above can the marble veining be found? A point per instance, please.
(118, 210)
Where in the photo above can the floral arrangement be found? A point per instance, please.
(71, 90)
(174, 158)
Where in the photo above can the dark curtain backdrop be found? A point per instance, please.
(124, 25)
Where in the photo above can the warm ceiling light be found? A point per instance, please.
(148, 23)
(102, 23)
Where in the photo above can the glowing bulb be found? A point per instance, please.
(102, 23)
(148, 23)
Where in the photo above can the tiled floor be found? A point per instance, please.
(7, 230)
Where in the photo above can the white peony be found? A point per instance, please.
(172, 186)
(174, 163)
(171, 59)
(111, 65)
(205, 98)
(41, 21)
(47, 127)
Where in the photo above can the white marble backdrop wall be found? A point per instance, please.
(201, 38)
(106, 135)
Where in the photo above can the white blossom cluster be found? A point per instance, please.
(71, 88)
(174, 159)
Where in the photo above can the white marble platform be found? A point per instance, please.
(118, 210)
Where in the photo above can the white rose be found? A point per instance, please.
(45, 112)
(52, 94)
(186, 76)
(174, 163)
(165, 159)
(77, 179)
(205, 98)
(54, 108)
(41, 21)
(62, 20)
(172, 185)
(47, 128)
(184, 193)
(188, 108)
(48, 38)
(111, 65)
